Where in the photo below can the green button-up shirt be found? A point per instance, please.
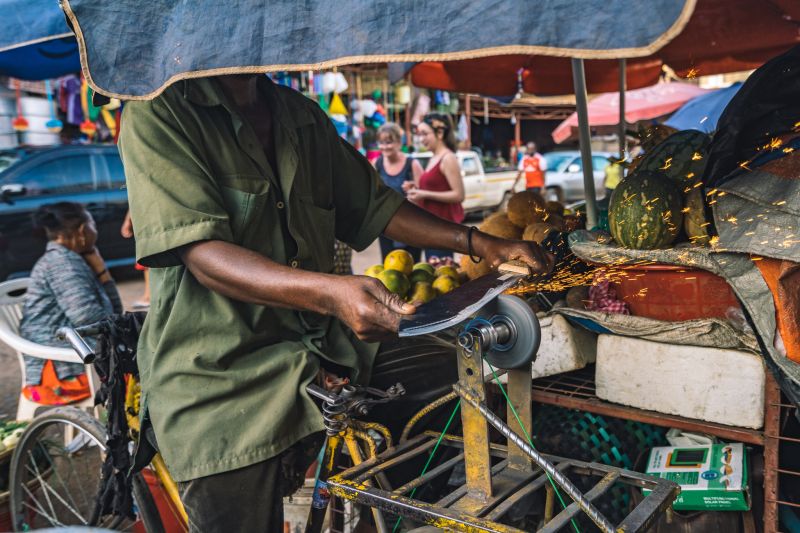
(224, 381)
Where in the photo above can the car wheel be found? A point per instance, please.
(554, 194)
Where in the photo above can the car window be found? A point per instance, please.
(65, 175)
(599, 162)
(8, 158)
(111, 166)
(555, 160)
(470, 166)
(574, 162)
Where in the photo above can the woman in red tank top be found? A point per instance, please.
(440, 189)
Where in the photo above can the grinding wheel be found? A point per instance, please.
(521, 349)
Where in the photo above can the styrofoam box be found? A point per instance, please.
(711, 384)
(563, 348)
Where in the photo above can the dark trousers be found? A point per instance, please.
(251, 498)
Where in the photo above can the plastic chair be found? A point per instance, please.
(12, 294)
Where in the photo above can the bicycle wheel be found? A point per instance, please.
(55, 476)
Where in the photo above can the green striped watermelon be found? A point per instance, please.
(681, 156)
(645, 211)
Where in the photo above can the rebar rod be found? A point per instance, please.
(559, 478)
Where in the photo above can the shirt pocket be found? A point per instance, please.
(249, 215)
(318, 227)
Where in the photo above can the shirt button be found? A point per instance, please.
(294, 264)
(279, 205)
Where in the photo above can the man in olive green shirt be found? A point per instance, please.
(238, 189)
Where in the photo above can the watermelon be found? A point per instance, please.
(681, 157)
(694, 217)
(645, 211)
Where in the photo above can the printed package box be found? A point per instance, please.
(712, 477)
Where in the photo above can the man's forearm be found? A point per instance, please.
(247, 276)
(415, 226)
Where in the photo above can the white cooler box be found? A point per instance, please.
(564, 348)
(711, 384)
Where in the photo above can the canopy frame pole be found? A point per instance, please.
(468, 106)
(585, 141)
(622, 89)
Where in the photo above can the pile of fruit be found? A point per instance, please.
(527, 217)
(417, 283)
(661, 201)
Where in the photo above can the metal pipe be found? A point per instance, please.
(77, 343)
(559, 478)
(424, 411)
(621, 125)
(579, 82)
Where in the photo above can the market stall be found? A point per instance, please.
(107, 74)
(693, 287)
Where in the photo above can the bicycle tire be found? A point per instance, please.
(49, 454)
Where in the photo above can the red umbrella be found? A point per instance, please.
(640, 104)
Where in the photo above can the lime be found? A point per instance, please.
(444, 284)
(399, 260)
(447, 270)
(423, 292)
(427, 267)
(373, 271)
(395, 281)
(419, 275)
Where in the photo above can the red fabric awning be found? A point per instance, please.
(640, 104)
(722, 36)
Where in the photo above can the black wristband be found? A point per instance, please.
(469, 246)
(100, 274)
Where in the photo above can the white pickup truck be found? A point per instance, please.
(482, 191)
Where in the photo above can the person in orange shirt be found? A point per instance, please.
(532, 166)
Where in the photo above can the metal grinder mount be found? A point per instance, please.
(505, 333)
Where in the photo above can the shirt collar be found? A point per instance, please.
(207, 92)
(53, 245)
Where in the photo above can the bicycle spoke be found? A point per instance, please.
(60, 479)
(53, 520)
(47, 488)
(80, 485)
(38, 476)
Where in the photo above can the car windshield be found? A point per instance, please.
(8, 158)
(555, 160)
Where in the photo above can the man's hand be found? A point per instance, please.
(497, 251)
(126, 230)
(367, 307)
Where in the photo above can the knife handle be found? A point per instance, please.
(515, 267)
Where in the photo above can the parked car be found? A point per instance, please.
(483, 191)
(89, 174)
(564, 175)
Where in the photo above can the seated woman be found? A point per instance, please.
(70, 286)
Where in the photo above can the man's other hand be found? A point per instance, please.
(497, 251)
(367, 307)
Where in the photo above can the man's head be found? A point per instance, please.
(530, 148)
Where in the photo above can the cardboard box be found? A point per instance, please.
(712, 478)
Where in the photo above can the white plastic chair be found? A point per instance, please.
(12, 294)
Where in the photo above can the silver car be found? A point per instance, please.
(564, 175)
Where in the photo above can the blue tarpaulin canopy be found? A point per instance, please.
(36, 42)
(135, 49)
(702, 113)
